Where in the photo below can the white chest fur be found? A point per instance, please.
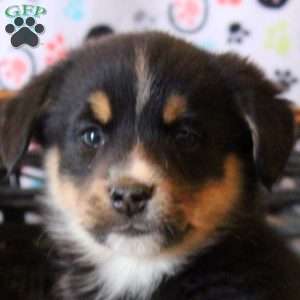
(134, 276)
(123, 265)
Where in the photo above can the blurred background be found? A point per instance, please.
(267, 32)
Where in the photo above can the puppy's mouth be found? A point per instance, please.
(126, 228)
(133, 228)
(167, 234)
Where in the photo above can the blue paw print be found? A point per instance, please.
(74, 10)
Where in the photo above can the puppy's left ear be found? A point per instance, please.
(270, 119)
(19, 115)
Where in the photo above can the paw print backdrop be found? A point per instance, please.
(265, 31)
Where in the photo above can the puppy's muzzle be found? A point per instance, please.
(130, 198)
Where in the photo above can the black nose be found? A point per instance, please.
(130, 199)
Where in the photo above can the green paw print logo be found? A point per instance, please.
(278, 39)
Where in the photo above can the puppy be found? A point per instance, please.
(156, 153)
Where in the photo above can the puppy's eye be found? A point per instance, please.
(187, 138)
(93, 137)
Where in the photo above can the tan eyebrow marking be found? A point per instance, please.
(100, 106)
(175, 107)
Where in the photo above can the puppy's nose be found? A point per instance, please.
(130, 199)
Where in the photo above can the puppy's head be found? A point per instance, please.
(150, 139)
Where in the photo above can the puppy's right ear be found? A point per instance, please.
(19, 115)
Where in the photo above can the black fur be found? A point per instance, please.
(248, 262)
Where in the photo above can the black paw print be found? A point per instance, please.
(285, 79)
(237, 33)
(24, 33)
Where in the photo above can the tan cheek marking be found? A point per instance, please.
(208, 208)
(175, 107)
(100, 106)
(88, 204)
